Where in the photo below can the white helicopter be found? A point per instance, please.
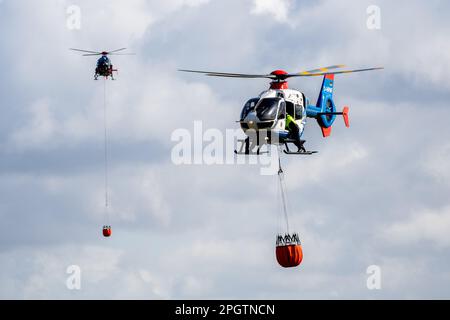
(264, 118)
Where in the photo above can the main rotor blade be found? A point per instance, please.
(122, 54)
(229, 75)
(116, 50)
(240, 75)
(333, 72)
(309, 73)
(324, 69)
(84, 51)
(91, 54)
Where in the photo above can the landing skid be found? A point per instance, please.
(302, 150)
(247, 148)
(257, 153)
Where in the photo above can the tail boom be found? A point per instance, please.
(325, 110)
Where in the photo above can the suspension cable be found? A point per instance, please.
(105, 123)
(283, 193)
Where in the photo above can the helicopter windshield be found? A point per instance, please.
(103, 61)
(267, 108)
(249, 106)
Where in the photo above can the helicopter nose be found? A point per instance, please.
(252, 116)
(252, 120)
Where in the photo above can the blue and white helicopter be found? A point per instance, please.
(264, 119)
(104, 66)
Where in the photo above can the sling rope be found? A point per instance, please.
(105, 123)
(283, 192)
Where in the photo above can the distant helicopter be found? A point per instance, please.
(266, 115)
(104, 66)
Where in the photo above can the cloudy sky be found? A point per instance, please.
(375, 194)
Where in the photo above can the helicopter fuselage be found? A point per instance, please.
(266, 114)
(104, 67)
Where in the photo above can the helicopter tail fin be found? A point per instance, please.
(345, 116)
(325, 110)
(326, 92)
(325, 131)
(326, 105)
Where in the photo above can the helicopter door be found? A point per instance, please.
(300, 112)
(281, 117)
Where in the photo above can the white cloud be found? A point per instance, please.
(40, 128)
(138, 196)
(48, 270)
(321, 168)
(195, 3)
(436, 163)
(140, 108)
(278, 9)
(423, 226)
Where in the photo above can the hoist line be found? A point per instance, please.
(105, 123)
(283, 192)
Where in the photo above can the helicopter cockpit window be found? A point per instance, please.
(298, 111)
(282, 110)
(290, 108)
(267, 108)
(103, 60)
(249, 106)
